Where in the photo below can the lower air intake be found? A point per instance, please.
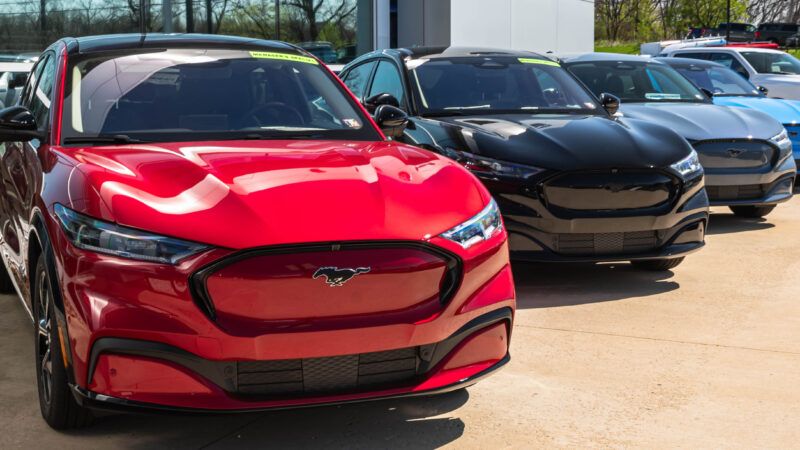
(328, 375)
(606, 243)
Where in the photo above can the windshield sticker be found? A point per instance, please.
(544, 62)
(661, 96)
(352, 123)
(284, 57)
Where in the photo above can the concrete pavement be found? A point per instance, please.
(706, 356)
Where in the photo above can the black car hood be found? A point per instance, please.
(703, 121)
(565, 142)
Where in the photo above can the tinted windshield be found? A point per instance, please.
(780, 63)
(190, 94)
(720, 81)
(501, 84)
(636, 81)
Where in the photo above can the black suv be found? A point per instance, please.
(777, 32)
(574, 182)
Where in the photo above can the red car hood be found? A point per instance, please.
(255, 193)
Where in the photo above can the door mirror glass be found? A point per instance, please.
(763, 90)
(610, 102)
(391, 120)
(17, 124)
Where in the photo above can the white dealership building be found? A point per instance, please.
(539, 25)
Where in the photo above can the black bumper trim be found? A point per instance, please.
(223, 373)
(101, 402)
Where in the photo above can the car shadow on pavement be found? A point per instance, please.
(729, 223)
(408, 422)
(541, 285)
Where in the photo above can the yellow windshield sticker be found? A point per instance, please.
(545, 62)
(284, 57)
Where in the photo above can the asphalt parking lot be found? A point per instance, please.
(602, 356)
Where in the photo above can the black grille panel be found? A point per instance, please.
(606, 243)
(744, 192)
(734, 154)
(327, 375)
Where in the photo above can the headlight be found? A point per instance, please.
(688, 165)
(783, 142)
(479, 228)
(479, 164)
(102, 237)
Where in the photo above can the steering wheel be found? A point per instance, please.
(273, 113)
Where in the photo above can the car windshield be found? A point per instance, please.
(195, 94)
(721, 81)
(634, 81)
(496, 84)
(777, 63)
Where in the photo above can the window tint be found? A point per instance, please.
(356, 80)
(387, 79)
(790, 28)
(778, 63)
(25, 97)
(720, 81)
(42, 94)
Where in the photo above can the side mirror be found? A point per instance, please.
(17, 124)
(610, 103)
(391, 120)
(763, 90)
(708, 93)
(383, 98)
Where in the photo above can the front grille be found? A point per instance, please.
(744, 192)
(606, 243)
(734, 154)
(328, 375)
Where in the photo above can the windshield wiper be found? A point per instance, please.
(103, 139)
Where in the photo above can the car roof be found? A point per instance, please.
(597, 57)
(688, 62)
(110, 42)
(726, 49)
(452, 52)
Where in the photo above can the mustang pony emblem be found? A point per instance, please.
(735, 152)
(335, 276)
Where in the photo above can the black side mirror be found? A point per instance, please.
(610, 103)
(391, 120)
(708, 93)
(763, 90)
(383, 98)
(17, 124)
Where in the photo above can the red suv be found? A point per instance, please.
(214, 223)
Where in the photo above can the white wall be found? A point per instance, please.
(539, 25)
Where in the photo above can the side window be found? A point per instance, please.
(42, 95)
(36, 72)
(731, 62)
(693, 55)
(356, 80)
(387, 79)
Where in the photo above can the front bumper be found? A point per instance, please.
(446, 371)
(537, 234)
(137, 333)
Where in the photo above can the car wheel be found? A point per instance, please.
(58, 406)
(658, 264)
(752, 211)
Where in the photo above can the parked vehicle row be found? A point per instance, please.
(223, 213)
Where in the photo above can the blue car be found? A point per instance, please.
(728, 88)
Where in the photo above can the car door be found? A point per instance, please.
(20, 170)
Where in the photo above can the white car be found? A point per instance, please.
(775, 70)
(12, 78)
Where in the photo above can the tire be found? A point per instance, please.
(658, 264)
(752, 212)
(58, 406)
